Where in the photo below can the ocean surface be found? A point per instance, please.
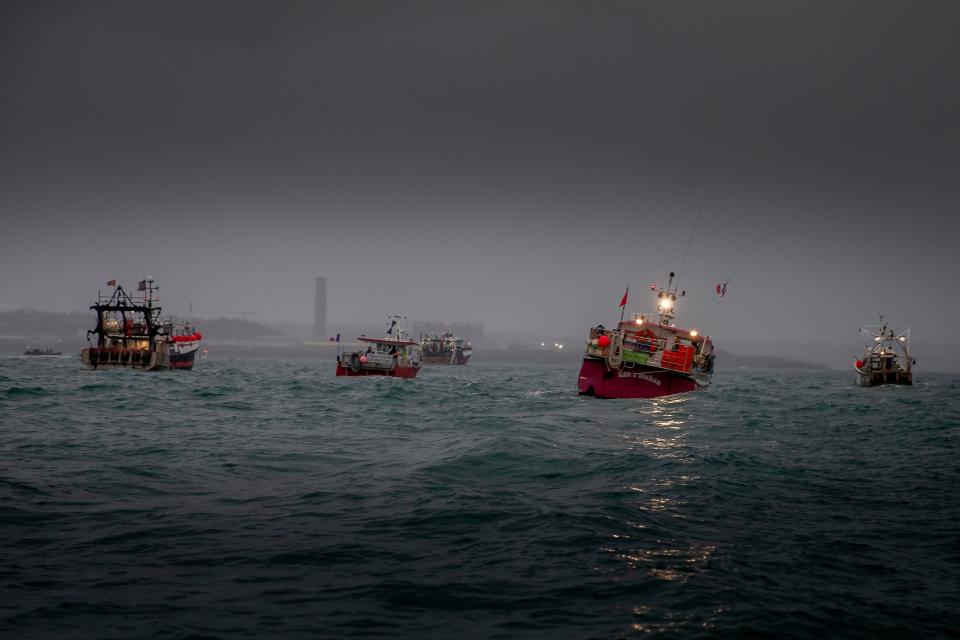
(260, 498)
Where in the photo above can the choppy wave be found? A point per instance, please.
(261, 498)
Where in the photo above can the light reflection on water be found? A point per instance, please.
(665, 562)
(648, 542)
(667, 416)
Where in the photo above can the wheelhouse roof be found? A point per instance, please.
(635, 328)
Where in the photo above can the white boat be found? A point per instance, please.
(886, 355)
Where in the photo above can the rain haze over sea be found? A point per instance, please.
(511, 167)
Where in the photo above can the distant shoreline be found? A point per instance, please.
(14, 345)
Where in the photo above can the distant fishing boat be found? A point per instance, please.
(647, 356)
(886, 355)
(445, 348)
(131, 335)
(35, 351)
(393, 355)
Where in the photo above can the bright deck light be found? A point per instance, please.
(694, 334)
(639, 321)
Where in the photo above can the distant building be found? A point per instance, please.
(320, 309)
(472, 331)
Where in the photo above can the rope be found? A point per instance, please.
(715, 310)
(615, 353)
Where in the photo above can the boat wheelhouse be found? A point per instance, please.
(886, 355)
(648, 355)
(393, 355)
(129, 333)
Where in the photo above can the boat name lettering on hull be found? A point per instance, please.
(641, 376)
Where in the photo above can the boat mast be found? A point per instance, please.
(394, 322)
(667, 299)
(153, 313)
(887, 340)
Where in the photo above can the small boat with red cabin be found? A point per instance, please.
(393, 355)
(647, 356)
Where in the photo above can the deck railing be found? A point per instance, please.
(657, 352)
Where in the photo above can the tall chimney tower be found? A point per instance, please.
(320, 309)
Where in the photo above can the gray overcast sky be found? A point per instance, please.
(514, 163)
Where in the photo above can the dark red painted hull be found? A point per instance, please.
(396, 372)
(599, 380)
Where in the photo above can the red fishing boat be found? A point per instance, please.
(647, 356)
(392, 355)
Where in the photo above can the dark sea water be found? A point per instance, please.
(258, 498)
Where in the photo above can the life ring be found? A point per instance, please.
(355, 363)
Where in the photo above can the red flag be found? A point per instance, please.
(112, 283)
(623, 301)
(722, 289)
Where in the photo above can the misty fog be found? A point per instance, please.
(513, 164)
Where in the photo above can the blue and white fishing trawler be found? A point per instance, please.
(131, 335)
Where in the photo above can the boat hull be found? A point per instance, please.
(598, 379)
(168, 356)
(183, 356)
(877, 378)
(396, 372)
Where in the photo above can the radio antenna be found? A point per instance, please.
(693, 229)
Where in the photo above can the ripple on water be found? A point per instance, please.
(270, 498)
